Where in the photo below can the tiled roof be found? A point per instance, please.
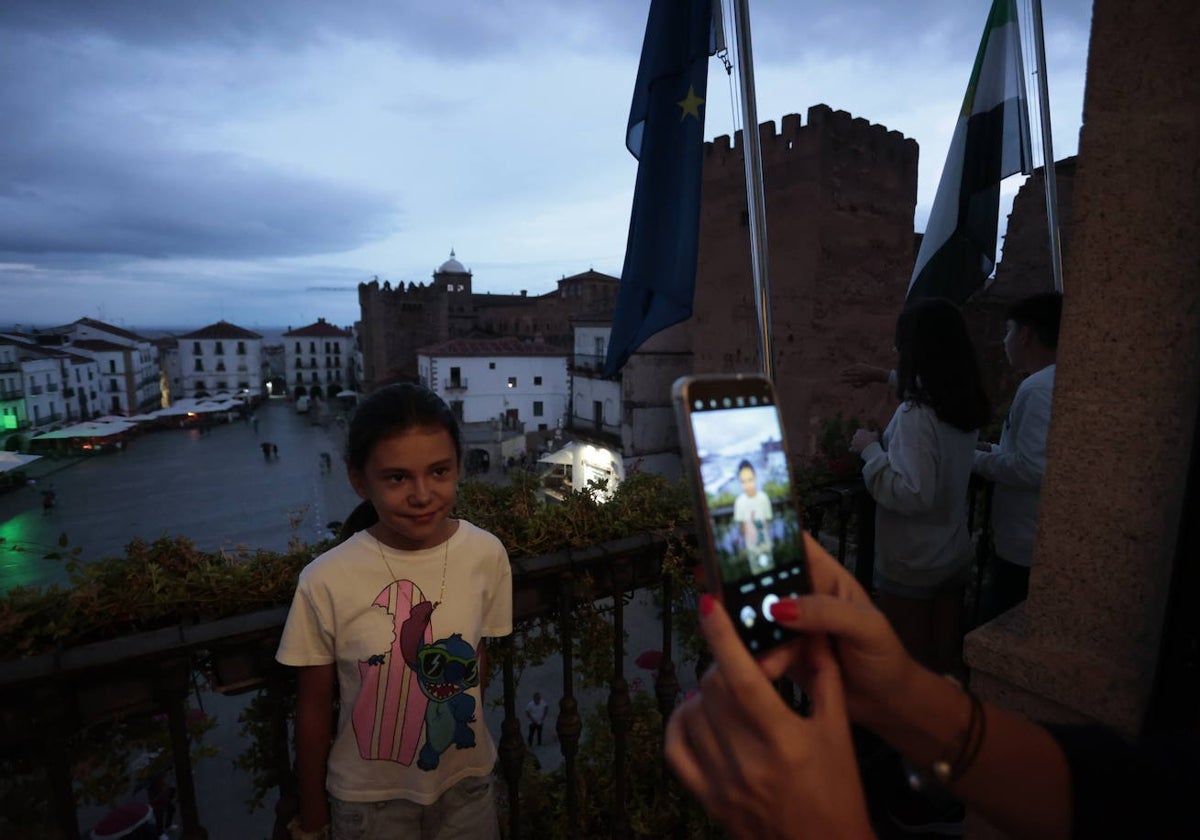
(99, 344)
(494, 347)
(593, 275)
(222, 329)
(321, 329)
(109, 328)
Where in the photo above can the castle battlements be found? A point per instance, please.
(826, 129)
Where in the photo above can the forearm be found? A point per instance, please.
(314, 731)
(1019, 781)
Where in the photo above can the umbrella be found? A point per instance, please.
(649, 659)
(566, 455)
(12, 460)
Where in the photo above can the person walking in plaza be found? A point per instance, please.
(1016, 464)
(535, 712)
(266, 450)
(394, 618)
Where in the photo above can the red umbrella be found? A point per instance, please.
(649, 659)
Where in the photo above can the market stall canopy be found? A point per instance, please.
(566, 455)
(13, 460)
(194, 406)
(87, 430)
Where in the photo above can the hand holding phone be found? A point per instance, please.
(731, 436)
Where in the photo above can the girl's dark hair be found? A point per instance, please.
(938, 366)
(389, 411)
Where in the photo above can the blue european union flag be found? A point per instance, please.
(666, 135)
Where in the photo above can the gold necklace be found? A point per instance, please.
(395, 577)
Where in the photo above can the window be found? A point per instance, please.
(312, 347)
(112, 368)
(298, 350)
(220, 349)
(537, 380)
(241, 348)
(337, 349)
(199, 365)
(512, 382)
(541, 427)
(491, 365)
(538, 409)
(299, 377)
(196, 351)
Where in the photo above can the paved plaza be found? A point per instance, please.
(214, 487)
(217, 489)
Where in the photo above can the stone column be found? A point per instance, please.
(1085, 644)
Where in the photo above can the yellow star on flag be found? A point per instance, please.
(690, 105)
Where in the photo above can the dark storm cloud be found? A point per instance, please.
(465, 29)
(85, 167)
(157, 203)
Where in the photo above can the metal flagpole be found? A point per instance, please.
(756, 204)
(1049, 171)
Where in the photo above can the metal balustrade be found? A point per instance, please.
(44, 698)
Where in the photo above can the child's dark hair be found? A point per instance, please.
(1042, 313)
(938, 366)
(745, 465)
(389, 411)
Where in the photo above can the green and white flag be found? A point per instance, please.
(991, 142)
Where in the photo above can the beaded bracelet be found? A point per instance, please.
(945, 772)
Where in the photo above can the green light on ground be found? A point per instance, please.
(21, 558)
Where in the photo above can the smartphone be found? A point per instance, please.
(747, 519)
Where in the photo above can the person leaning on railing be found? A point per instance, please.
(765, 772)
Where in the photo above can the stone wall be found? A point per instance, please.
(840, 196)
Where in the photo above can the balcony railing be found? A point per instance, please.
(45, 698)
(9, 367)
(52, 386)
(587, 363)
(12, 394)
(36, 389)
(578, 423)
(459, 384)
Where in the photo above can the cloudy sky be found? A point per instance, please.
(173, 162)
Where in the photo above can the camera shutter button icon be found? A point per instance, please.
(766, 606)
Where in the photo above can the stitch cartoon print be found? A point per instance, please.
(418, 685)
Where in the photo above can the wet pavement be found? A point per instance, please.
(214, 487)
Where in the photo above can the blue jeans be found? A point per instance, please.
(466, 811)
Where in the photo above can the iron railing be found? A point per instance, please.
(45, 698)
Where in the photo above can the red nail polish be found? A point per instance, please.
(706, 604)
(785, 610)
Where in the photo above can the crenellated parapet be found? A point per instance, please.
(826, 131)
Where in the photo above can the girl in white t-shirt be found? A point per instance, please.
(394, 618)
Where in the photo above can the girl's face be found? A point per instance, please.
(412, 480)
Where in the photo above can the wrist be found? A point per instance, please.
(925, 716)
(296, 832)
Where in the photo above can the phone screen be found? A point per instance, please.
(754, 529)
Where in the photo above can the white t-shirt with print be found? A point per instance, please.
(411, 720)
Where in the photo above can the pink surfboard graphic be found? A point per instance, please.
(389, 713)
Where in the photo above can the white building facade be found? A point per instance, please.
(320, 360)
(515, 382)
(221, 357)
(137, 372)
